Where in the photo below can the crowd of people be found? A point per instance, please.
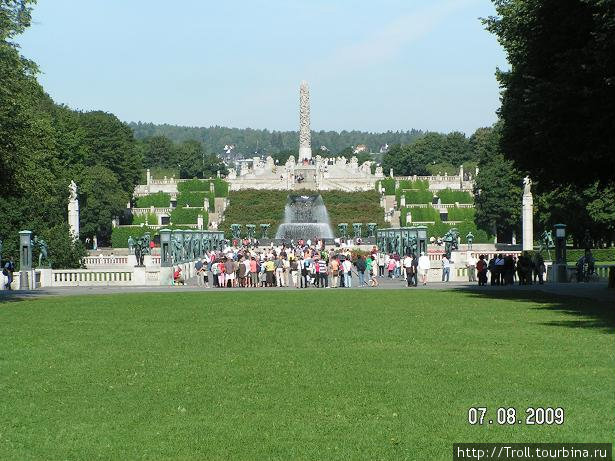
(507, 269)
(304, 265)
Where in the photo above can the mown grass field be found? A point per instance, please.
(318, 375)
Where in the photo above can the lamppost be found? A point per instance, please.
(560, 268)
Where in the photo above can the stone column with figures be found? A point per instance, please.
(305, 143)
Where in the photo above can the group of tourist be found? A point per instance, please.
(507, 269)
(303, 265)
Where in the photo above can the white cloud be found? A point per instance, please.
(391, 38)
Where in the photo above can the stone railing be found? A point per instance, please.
(142, 211)
(106, 260)
(86, 277)
(436, 206)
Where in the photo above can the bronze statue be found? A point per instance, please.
(546, 242)
(470, 240)
(43, 251)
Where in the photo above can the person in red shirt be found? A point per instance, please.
(178, 277)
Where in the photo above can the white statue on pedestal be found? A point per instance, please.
(527, 215)
(73, 210)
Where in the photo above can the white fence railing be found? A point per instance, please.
(85, 277)
(107, 261)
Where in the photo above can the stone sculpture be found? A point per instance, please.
(305, 143)
(42, 251)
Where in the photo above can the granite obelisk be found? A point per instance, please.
(305, 144)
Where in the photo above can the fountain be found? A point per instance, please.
(305, 217)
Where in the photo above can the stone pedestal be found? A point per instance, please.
(138, 276)
(166, 276)
(528, 218)
(73, 211)
(46, 277)
(132, 260)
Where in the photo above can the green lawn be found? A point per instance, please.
(315, 375)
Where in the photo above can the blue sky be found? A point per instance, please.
(375, 66)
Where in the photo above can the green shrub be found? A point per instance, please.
(461, 214)
(267, 206)
(187, 215)
(442, 168)
(63, 252)
(196, 185)
(454, 196)
(420, 214)
(418, 196)
(388, 184)
(599, 254)
(158, 200)
(140, 219)
(255, 207)
(193, 185)
(420, 184)
(119, 235)
(195, 199)
(439, 229)
(353, 207)
(221, 188)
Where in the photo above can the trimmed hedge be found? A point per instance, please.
(420, 184)
(419, 215)
(196, 185)
(418, 196)
(151, 218)
(187, 215)
(158, 200)
(599, 254)
(439, 229)
(388, 184)
(195, 199)
(267, 206)
(461, 214)
(119, 235)
(353, 207)
(453, 196)
(193, 185)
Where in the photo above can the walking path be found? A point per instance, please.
(595, 291)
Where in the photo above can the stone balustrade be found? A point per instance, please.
(106, 260)
(144, 211)
(86, 277)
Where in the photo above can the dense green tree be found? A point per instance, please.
(497, 197)
(589, 210)
(159, 152)
(64, 252)
(558, 96)
(44, 145)
(247, 140)
(430, 149)
(111, 144)
(101, 198)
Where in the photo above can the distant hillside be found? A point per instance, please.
(247, 140)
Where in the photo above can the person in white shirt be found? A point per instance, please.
(408, 269)
(347, 266)
(424, 266)
(446, 268)
(471, 265)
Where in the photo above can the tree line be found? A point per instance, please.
(248, 141)
(44, 145)
(556, 117)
